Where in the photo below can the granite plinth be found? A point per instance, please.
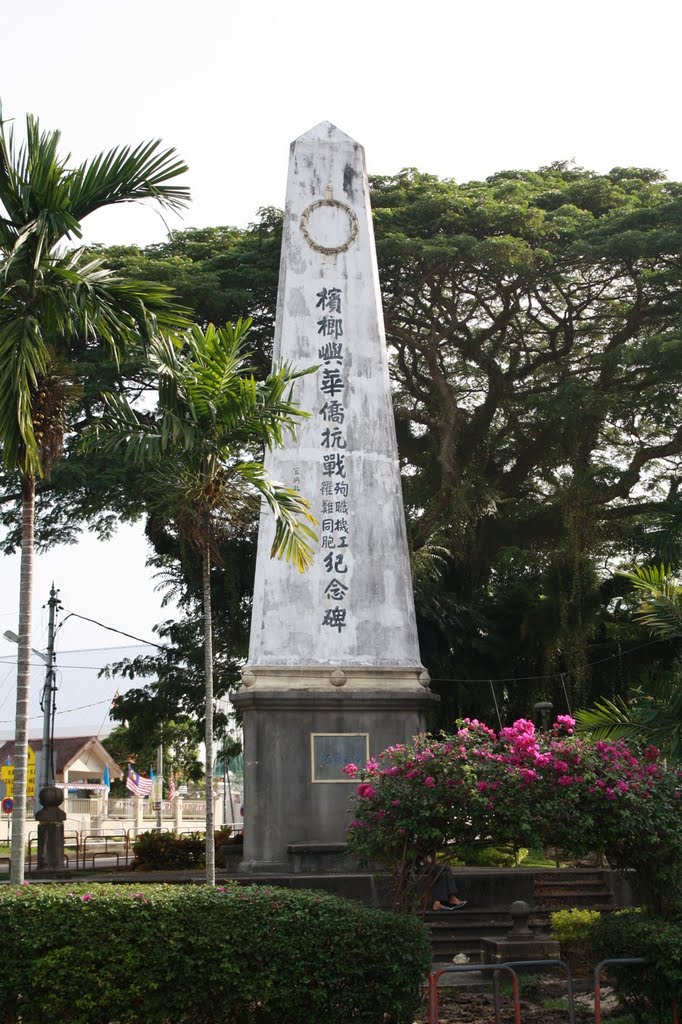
(293, 820)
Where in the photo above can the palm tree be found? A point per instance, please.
(200, 448)
(54, 301)
(655, 717)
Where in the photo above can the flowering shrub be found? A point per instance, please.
(522, 788)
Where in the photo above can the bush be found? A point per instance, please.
(156, 851)
(159, 851)
(519, 787)
(226, 955)
(573, 930)
(573, 926)
(491, 856)
(634, 933)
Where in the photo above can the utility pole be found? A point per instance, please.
(48, 701)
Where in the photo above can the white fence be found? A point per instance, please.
(99, 816)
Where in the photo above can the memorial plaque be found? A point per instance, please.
(330, 752)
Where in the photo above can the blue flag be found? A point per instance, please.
(106, 779)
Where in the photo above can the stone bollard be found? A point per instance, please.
(520, 932)
(138, 816)
(177, 814)
(51, 820)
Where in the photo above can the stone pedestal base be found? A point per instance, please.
(500, 951)
(520, 943)
(295, 794)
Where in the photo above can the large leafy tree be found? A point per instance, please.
(55, 302)
(138, 742)
(199, 447)
(533, 321)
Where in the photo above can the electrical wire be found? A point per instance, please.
(552, 675)
(94, 668)
(67, 711)
(112, 629)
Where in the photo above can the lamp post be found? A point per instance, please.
(51, 817)
(47, 701)
(544, 709)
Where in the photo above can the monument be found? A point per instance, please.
(334, 673)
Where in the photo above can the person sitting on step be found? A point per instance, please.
(443, 891)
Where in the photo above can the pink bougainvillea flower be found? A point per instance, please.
(351, 770)
(430, 781)
(564, 724)
(366, 791)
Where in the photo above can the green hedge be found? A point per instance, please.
(235, 955)
(158, 851)
(645, 990)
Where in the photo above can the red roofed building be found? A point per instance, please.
(78, 759)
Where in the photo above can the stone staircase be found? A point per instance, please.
(461, 931)
(566, 890)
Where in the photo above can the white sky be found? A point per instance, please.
(458, 90)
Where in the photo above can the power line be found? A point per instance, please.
(552, 675)
(66, 711)
(119, 647)
(90, 668)
(112, 629)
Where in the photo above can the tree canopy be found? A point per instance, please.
(533, 325)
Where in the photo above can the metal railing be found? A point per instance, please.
(511, 967)
(113, 845)
(493, 969)
(624, 961)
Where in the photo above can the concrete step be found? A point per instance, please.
(570, 874)
(542, 895)
(586, 884)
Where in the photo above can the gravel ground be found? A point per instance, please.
(545, 1003)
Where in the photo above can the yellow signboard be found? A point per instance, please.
(7, 775)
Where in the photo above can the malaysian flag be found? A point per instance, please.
(137, 783)
(171, 787)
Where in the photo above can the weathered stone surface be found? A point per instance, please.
(334, 673)
(355, 606)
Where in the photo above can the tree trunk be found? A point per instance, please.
(208, 671)
(28, 490)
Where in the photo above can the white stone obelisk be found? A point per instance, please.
(334, 671)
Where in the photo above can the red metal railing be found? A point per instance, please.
(493, 969)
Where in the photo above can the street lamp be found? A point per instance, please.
(47, 701)
(544, 709)
(50, 818)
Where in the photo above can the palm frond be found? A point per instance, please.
(23, 360)
(608, 719)
(125, 175)
(294, 521)
(661, 611)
